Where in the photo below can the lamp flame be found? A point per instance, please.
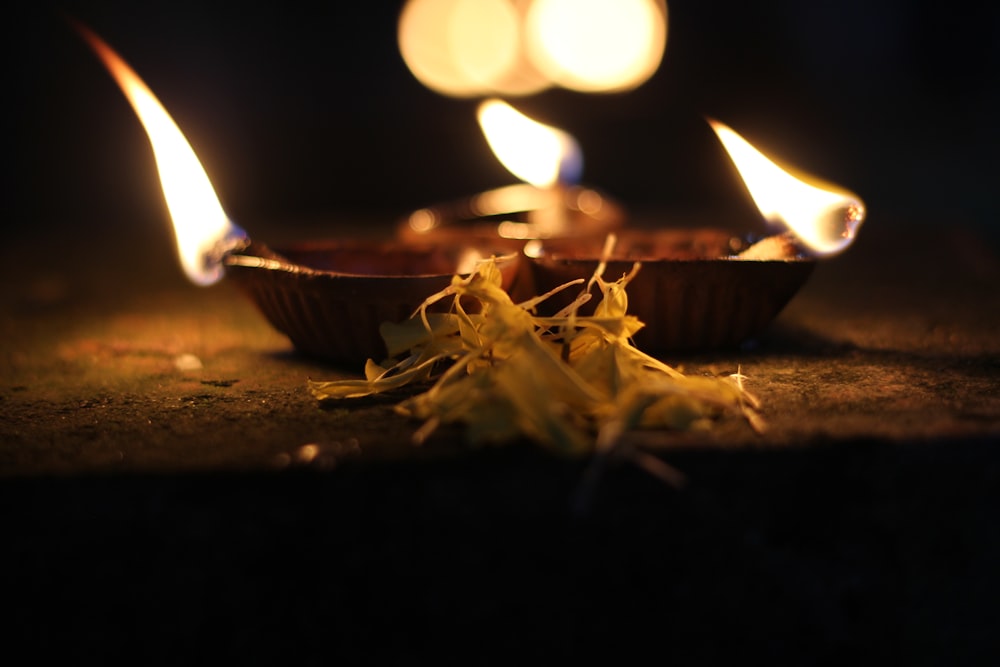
(202, 229)
(824, 217)
(534, 152)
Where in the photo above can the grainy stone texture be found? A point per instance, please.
(154, 508)
(106, 370)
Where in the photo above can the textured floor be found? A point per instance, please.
(152, 509)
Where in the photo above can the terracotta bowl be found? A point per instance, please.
(330, 298)
(693, 292)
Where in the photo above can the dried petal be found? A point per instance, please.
(571, 382)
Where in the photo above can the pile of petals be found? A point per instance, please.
(573, 383)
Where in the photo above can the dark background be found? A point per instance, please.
(854, 545)
(299, 112)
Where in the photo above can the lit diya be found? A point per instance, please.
(708, 288)
(698, 289)
(695, 290)
(328, 297)
(549, 203)
(331, 297)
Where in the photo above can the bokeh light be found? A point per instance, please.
(468, 48)
(596, 45)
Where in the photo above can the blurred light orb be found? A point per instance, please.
(597, 45)
(484, 40)
(459, 47)
(469, 48)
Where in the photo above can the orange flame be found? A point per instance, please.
(539, 154)
(202, 229)
(824, 217)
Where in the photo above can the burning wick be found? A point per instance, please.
(548, 202)
(824, 218)
(544, 157)
(203, 232)
(534, 152)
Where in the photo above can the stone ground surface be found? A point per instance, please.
(153, 510)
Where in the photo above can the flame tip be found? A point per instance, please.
(533, 151)
(202, 229)
(825, 217)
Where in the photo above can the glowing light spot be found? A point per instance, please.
(422, 221)
(597, 45)
(466, 48)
